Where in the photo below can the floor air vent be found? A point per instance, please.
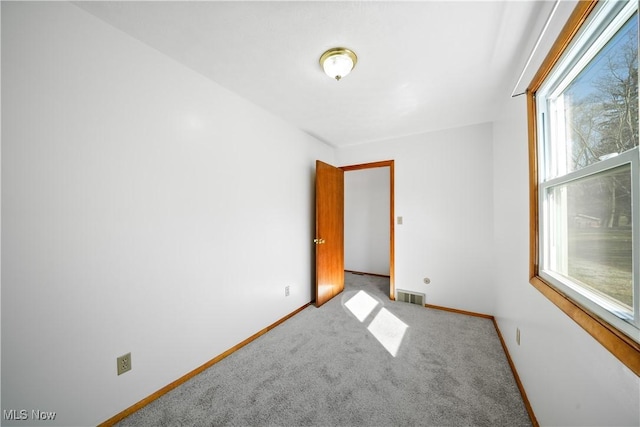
(410, 297)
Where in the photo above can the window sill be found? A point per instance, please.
(621, 346)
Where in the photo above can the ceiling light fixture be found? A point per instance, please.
(338, 62)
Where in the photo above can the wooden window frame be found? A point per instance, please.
(621, 346)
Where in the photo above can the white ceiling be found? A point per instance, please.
(421, 66)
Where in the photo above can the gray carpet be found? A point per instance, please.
(325, 367)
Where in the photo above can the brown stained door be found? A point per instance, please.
(329, 240)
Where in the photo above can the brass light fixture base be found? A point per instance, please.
(334, 52)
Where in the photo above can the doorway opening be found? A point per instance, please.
(389, 164)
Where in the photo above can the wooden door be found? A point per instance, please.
(329, 240)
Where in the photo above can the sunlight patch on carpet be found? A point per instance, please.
(361, 305)
(389, 330)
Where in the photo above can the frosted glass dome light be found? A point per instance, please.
(338, 62)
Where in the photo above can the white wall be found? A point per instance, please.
(570, 379)
(443, 184)
(140, 214)
(366, 220)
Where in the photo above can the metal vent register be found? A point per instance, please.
(410, 297)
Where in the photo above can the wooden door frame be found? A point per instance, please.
(390, 165)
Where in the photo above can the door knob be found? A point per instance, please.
(318, 241)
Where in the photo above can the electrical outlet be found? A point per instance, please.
(286, 291)
(518, 336)
(124, 363)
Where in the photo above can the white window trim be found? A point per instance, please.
(590, 300)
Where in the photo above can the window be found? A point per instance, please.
(583, 110)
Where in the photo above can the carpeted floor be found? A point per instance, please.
(359, 360)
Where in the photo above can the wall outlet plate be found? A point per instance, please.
(124, 363)
(286, 291)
